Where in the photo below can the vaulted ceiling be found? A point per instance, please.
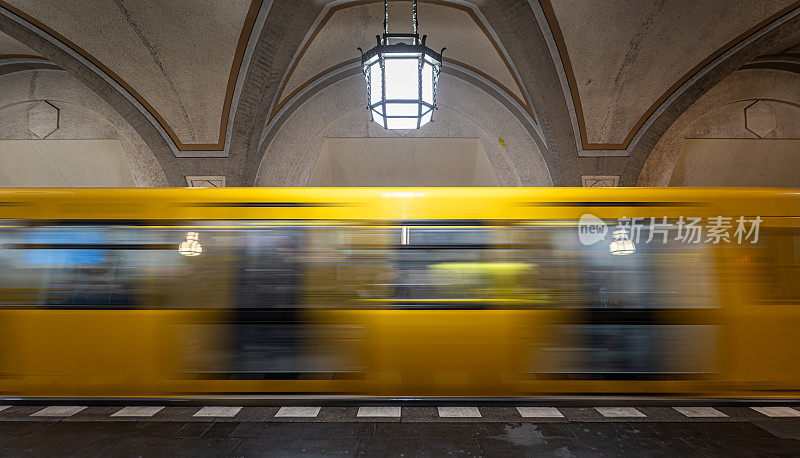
(208, 84)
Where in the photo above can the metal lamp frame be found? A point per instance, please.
(384, 51)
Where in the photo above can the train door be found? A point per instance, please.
(439, 307)
(763, 311)
(645, 321)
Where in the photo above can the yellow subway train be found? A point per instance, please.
(421, 292)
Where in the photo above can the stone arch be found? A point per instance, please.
(37, 39)
(715, 73)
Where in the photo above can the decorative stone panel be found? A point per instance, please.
(206, 181)
(43, 119)
(600, 181)
(760, 118)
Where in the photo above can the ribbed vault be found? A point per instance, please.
(207, 86)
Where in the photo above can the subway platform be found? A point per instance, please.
(398, 430)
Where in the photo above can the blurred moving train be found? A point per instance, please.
(399, 292)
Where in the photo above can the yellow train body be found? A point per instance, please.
(396, 292)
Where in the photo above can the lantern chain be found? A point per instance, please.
(385, 17)
(414, 20)
(414, 16)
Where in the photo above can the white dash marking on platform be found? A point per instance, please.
(379, 412)
(700, 412)
(540, 412)
(777, 411)
(307, 412)
(4, 408)
(137, 411)
(217, 411)
(459, 412)
(58, 411)
(619, 412)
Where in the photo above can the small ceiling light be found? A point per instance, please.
(621, 245)
(191, 246)
(402, 74)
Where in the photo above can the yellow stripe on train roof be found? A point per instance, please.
(170, 204)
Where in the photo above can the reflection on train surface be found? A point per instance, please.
(458, 292)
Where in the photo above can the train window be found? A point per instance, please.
(62, 266)
(87, 266)
(770, 270)
(510, 265)
(439, 263)
(269, 267)
(659, 275)
(410, 266)
(515, 265)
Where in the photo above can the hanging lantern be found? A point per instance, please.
(402, 74)
(191, 246)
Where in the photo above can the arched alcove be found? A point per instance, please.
(743, 132)
(465, 112)
(54, 131)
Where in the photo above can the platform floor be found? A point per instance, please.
(138, 430)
